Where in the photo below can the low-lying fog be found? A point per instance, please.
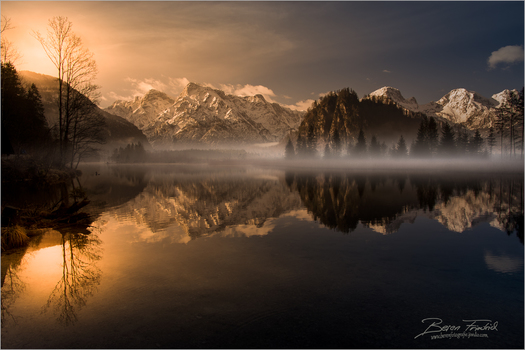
(273, 154)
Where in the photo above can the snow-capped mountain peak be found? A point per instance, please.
(504, 96)
(459, 106)
(204, 114)
(141, 110)
(395, 95)
(194, 89)
(463, 98)
(469, 108)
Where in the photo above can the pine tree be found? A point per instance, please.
(360, 147)
(515, 119)
(447, 144)
(421, 148)
(401, 148)
(289, 151)
(311, 141)
(35, 120)
(491, 140)
(462, 143)
(475, 144)
(432, 136)
(375, 148)
(335, 144)
(302, 150)
(350, 147)
(24, 127)
(327, 153)
(383, 149)
(520, 123)
(412, 148)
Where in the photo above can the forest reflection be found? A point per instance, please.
(341, 201)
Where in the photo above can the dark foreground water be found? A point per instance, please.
(198, 257)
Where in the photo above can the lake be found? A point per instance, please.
(247, 257)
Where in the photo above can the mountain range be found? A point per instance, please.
(205, 115)
(459, 106)
(202, 114)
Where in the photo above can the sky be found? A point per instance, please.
(290, 52)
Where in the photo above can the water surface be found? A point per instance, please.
(216, 257)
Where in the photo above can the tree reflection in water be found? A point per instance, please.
(340, 201)
(80, 276)
(510, 207)
(12, 287)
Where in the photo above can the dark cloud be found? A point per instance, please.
(290, 48)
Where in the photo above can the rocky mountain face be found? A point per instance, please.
(118, 131)
(395, 95)
(206, 115)
(459, 106)
(141, 111)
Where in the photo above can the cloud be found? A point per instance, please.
(386, 71)
(248, 90)
(177, 84)
(508, 54)
(301, 105)
(141, 87)
(113, 96)
(173, 86)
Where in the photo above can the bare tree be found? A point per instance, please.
(77, 94)
(8, 52)
(87, 129)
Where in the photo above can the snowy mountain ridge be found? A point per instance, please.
(205, 115)
(142, 110)
(459, 106)
(395, 95)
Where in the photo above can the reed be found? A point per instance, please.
(13, 237)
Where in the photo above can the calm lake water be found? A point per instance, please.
(228, 257)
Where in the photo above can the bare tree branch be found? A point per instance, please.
(77, 70)
(8, 54)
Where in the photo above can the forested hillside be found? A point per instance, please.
(338, 117)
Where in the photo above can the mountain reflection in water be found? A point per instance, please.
(194, 205)
(383, 203)
(191, 204)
